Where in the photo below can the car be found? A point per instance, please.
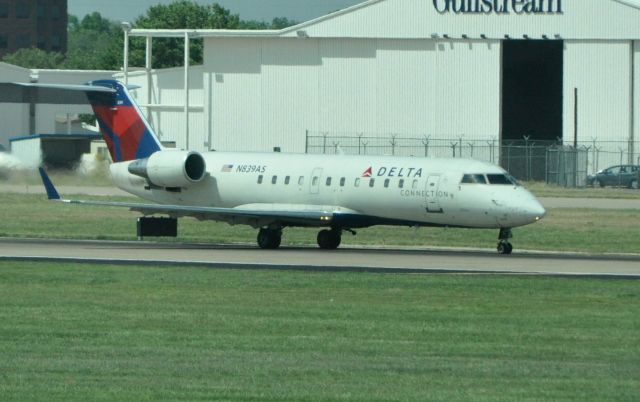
(619, 175)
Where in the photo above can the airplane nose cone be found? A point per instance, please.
(531, 208)
(535, 210)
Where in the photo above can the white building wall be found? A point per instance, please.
(14, 116)
(28, 152)
(601, 71)
(161, 97)
(636, 101)
(580, 19)
(234, 106)
(269, 92)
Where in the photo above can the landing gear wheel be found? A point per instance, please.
(634, 184)
(269, 239)
(598, 183)
(504, 247)
(329, 239)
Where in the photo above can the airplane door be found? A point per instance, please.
(433, 202)
(314, 184)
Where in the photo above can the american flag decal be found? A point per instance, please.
(227, 168)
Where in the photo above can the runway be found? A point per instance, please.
(399, 260)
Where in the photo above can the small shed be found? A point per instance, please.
(58, 151)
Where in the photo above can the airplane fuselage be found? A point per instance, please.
(395, 190)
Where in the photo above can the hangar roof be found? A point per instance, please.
(419, 19)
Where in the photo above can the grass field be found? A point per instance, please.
(563, 229)
(77, 332)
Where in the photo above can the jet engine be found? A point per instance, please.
(170, 168)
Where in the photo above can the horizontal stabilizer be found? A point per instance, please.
(54, 94)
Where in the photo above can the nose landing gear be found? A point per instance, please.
(504, 247)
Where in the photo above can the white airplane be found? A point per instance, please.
(273, 191)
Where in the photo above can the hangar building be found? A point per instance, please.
(492, 70)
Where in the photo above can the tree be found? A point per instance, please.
(89, 40)
(186, 14)
(97, 43)
(34, 58)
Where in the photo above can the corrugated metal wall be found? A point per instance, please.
(28, 152)
(14, 117)
(636, 102)
(580, 19)
(600, 70)
(165, 105)
(268, 92)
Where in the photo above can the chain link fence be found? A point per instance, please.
(526, 159)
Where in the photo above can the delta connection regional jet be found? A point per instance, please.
(273, 191)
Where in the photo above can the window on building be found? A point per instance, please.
(4, 43)
(342, 181)
(55, 42)
(23, 10)
(55, 13)
(41, 11)
(260, 178)
(300, 180)
(4, 10)
(287, 179)
(372, 182)
(328, 181)
(23, 40)
(401, 183)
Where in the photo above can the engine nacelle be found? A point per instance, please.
(171, 168)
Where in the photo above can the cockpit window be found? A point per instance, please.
(502, 179)
(474, 179)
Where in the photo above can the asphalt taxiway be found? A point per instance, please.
(401, 260)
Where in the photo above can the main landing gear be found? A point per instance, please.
(329, 239)
(504, 247)
(269, 239)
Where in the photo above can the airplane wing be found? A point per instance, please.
(256, 215)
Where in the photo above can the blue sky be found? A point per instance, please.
(299, 10)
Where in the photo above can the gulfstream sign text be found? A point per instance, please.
(498, 6)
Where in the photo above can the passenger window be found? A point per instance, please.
(274, 179)
(372, 182)
(386, 183)
(342, 181)
(401, 183)
(357, 183)
(260, 179)
(414, 185)
(287, 179)
(473, 179)
(300, 180)
(314, 182)
(328, 181)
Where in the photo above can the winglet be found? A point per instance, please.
(52, 193)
